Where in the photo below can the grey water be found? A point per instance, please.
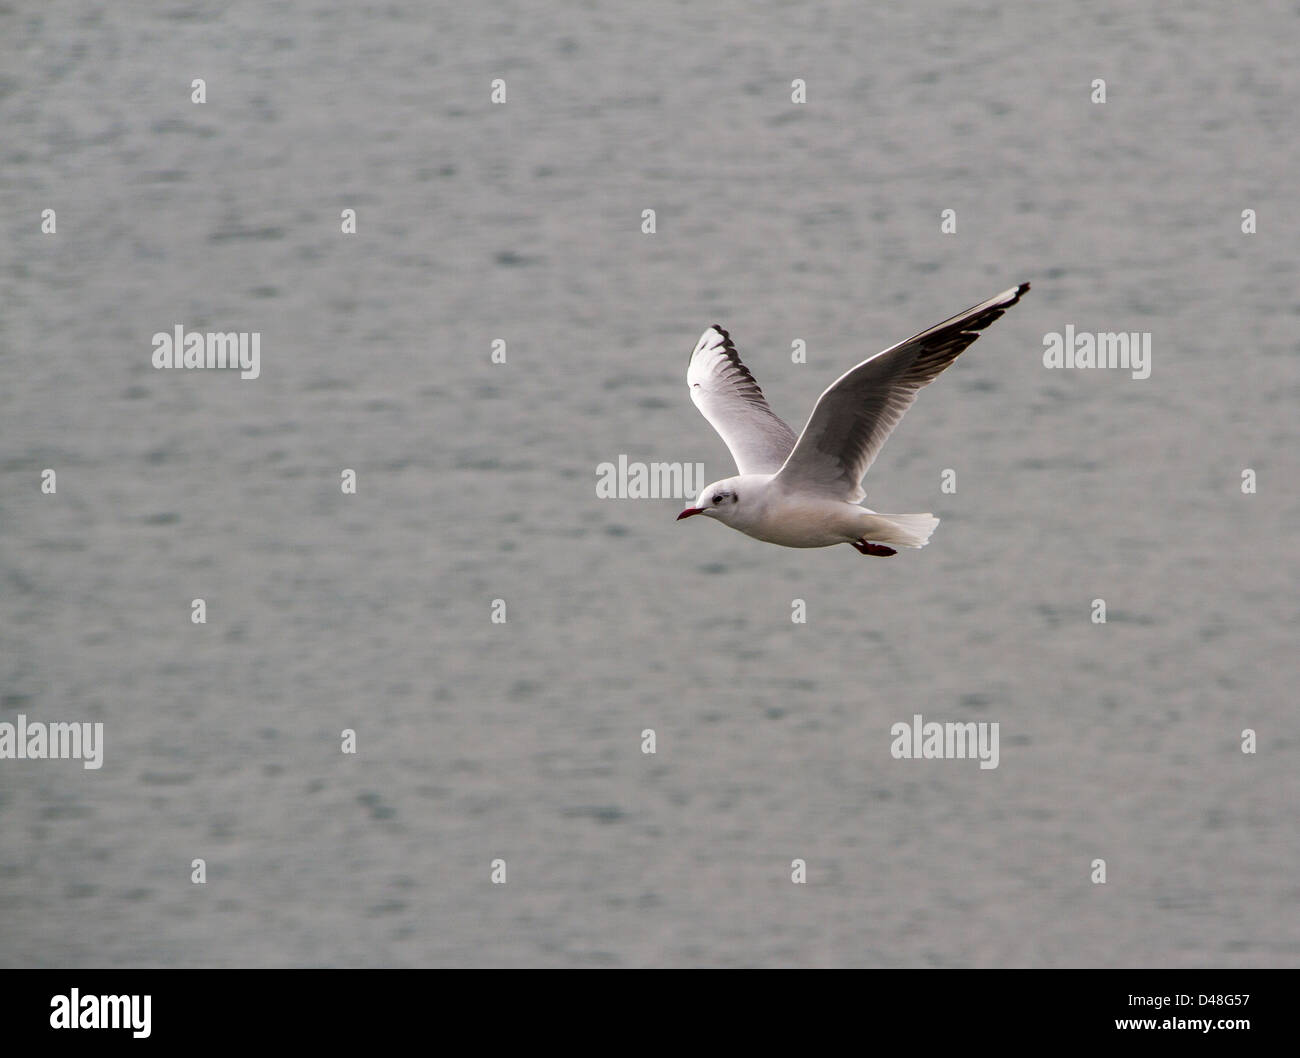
(522, 741)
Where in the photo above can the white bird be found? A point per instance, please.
(807, 493)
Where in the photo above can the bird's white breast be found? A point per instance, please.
(798, 520)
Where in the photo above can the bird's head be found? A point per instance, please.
(718, 500)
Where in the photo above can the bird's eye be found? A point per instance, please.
(717, 499)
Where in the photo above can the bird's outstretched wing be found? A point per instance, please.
(727, 395)
(854, 417)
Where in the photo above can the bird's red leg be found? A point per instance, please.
(873, 549)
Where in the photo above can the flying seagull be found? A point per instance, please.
(807, 492)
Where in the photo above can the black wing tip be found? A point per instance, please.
(727, 344)
(733, 355)
(995, 311)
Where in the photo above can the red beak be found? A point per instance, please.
(689, 511)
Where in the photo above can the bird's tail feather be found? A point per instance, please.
(901, 530)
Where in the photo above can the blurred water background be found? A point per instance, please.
(522, 741)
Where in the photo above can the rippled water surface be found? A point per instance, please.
(522, 741)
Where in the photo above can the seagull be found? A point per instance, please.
(807, 492)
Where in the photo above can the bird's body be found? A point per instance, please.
(806, 492)
(777, 515)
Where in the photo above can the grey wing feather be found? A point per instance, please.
(726, 393)
(853, 418)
